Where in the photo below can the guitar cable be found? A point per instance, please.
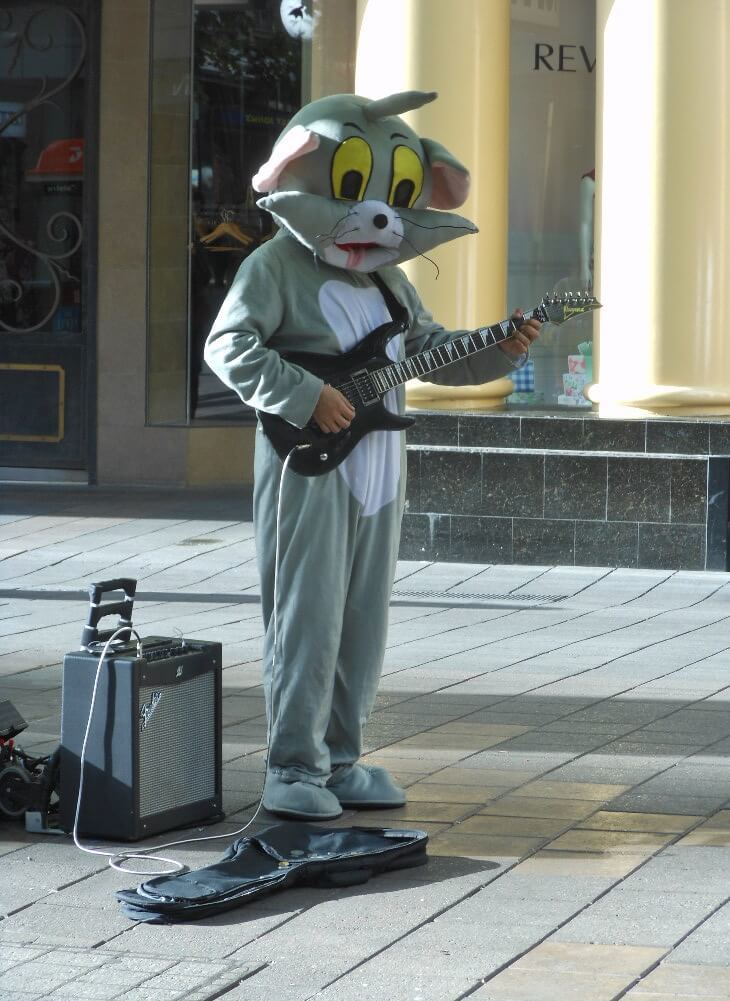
(118, 859)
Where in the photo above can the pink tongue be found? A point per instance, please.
(354, 257)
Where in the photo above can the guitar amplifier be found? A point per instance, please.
(153, 754)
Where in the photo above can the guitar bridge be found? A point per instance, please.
(364, 386)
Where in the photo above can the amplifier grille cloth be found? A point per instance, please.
(177, 744)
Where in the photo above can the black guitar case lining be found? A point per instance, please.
(281, 856)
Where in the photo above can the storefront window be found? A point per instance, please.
(227, 77)
(551, 181)
(247, 83)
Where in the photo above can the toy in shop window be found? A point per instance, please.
(578, 377)
(524, 385)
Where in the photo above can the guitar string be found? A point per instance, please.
(391, 376)
(395, 369)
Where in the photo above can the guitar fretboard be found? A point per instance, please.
(398, 373)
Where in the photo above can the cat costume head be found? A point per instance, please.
(356, 185)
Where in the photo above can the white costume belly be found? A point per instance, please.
(372, 469)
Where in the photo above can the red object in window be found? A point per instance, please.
(62, 160)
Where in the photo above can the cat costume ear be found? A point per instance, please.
(297, 142)
(450, 180)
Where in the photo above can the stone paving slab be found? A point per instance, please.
(569, 758)
(102, 976)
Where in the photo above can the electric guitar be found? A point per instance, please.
(366, 374)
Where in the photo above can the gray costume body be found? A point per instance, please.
(338, 533)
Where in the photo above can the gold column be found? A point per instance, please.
(461, 50)
(333, 48)
(128, 451)
(663, 203)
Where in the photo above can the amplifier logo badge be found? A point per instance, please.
(147, 709)
(178, 673)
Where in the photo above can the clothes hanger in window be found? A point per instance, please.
(227, 228)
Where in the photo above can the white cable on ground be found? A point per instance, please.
(117, 859)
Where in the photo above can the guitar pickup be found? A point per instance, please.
(364, 386)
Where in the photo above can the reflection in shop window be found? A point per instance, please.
(552, 114)
(227, 75)
(247, 83)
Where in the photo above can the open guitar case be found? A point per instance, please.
(279, 857)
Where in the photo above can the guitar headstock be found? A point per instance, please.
(559, 308)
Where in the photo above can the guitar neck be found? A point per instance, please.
(418, 365)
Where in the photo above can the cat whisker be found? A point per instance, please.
(418, 252)
(421, 225)
(340, 220)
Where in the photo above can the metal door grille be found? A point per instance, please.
(462, 597)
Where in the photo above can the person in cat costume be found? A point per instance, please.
(354, 190)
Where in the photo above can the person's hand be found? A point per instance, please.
(519, 342)
(333, 411)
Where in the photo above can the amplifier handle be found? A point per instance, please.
(98, 609)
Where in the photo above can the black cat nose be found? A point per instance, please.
(380, 221)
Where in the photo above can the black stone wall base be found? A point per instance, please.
(543, 542)
(573, 491)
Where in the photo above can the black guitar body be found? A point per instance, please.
(352, 373)
(358, 376)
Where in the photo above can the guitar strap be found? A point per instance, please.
(398, 312)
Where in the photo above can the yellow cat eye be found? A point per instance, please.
(352, 166)
(407, 181)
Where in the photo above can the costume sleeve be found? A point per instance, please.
(239, 351)
(425, 333)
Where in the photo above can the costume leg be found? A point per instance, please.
(317, 532)
(364, 632)
(360, 660)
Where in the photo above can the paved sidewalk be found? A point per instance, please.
(564, 734)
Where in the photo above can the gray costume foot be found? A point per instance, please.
(364, 787)
(300, 800)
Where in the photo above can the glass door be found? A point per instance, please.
(44, 246)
